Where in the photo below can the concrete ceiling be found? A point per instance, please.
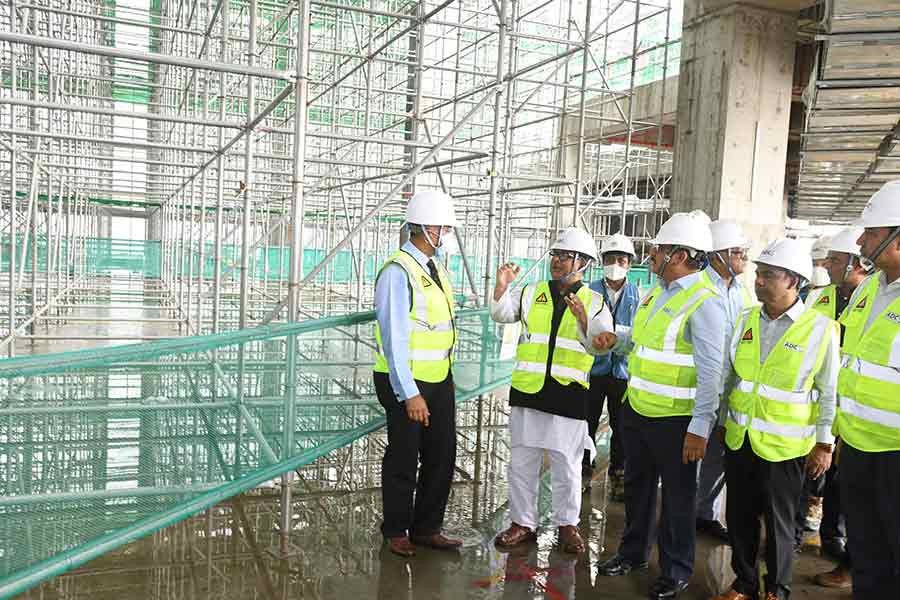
(782, 5)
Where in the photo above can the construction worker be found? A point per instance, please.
(780, 406)
(675, 366)
(415, 335)
(868, 421)
(820, 278)
(609, 375)
(549, 395)
(847, 270)
(726, 263)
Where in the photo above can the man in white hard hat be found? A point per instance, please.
(847, 269)
(609, 375)
(777, 413)
(820, 278)
(549, 391)
(675, 365)
(868, 421)
(415, 335)
(726, 263)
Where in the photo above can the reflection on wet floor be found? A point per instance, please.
(336, 552)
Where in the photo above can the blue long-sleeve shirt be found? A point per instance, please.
(705, 330)
(392, 302)
(623, 315)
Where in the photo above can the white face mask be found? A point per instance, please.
(614, 272)
(820, 277)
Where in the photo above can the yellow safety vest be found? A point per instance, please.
(570, 362)
(432, 334)
(869, 382)
(663, 377)
(773, 402)
(826, 303)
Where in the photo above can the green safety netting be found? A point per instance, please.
(103, 255)
(99, 447)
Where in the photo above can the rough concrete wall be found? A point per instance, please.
(733, 115)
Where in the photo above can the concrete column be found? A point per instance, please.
(734, 102)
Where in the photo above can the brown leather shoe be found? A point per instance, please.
(570, 539)
(516, 534)
(733, 595)
(838, 578)
(437, 541)
(401, 546)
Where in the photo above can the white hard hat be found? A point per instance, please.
(787, 253)
(688, 230)
(727, 234)
(820, 247)
(883, 209)
(618, 243)
(845, 241)
(431, 207)
(574, 239)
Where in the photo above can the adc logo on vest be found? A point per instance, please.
(893, 317)
(793, 347)
(542, 299)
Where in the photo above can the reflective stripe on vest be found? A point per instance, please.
(570, 362)
(663, 376)
(432, 333)
(869, 382)
(826, 303)
(774, 403)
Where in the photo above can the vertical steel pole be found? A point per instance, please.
(220, 178)
(301, 93)
(579, 167)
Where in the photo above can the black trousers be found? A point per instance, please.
(654, 448)
(415, 499)
(834, 524)
(606, 388)
(759, 488)
(870, 497)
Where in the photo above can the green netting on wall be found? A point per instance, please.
(100, 255)
(100, 447)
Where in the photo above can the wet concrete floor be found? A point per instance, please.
(336, 552)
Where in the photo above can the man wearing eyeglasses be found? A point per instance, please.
(726, 264)
(675, 365)
(549, 392)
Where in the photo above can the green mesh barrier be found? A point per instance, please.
(102, 446)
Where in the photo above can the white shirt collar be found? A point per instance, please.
(882, 279)
(682, 282)
(417, 254)
(793, 313)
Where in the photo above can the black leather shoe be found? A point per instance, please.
(618, 565)
(665, 588)
(712, 528)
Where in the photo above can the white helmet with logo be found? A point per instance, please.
(727, 234)
(618, 243)
(431, 207)
(578, 240)
(789, 254)
(686, 230)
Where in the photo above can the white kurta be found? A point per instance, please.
(532, 432)
(535, 428)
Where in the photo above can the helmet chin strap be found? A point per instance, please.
(727, 264)
(883, 245)
(565, 278)
(440, 239)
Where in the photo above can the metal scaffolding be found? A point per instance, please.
(247, 132)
